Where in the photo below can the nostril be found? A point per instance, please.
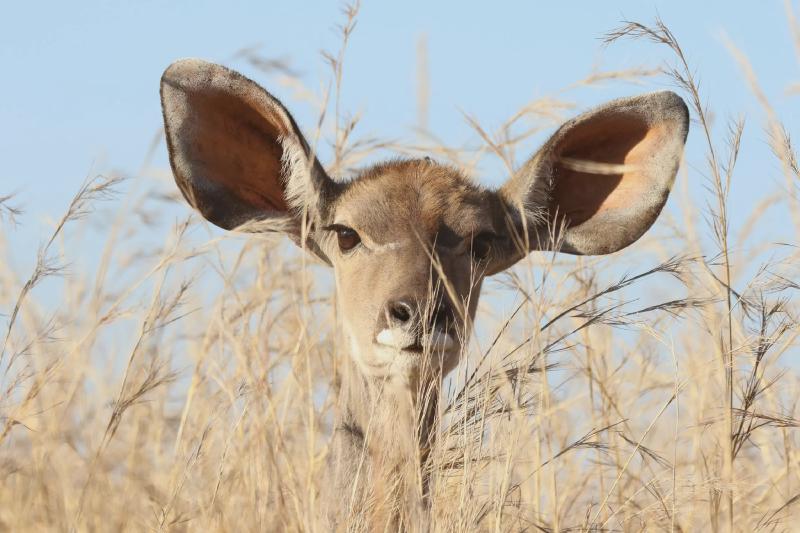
(400, 311)
(440, 317)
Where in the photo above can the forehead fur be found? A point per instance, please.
(388, 199)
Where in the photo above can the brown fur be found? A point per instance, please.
(594, 187)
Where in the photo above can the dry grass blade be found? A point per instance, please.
(98, 188)
(8, 211)
(191, 385)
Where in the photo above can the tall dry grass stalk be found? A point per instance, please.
(188, 386)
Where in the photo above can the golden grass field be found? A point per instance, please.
(188, 386)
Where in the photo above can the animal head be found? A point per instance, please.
(410, 241)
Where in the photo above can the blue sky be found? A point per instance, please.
(80, 79)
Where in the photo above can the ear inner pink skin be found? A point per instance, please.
(240, 149)
(407, 274)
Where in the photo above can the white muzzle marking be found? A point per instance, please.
(399, 339)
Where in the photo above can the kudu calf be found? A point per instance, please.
(410, 242)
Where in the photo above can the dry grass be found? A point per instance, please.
(187, 386)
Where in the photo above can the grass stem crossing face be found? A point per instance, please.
(410, 241)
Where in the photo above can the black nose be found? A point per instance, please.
(404, 311)
(441, 316)
(400, 312)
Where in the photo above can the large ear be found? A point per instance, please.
(602, 179)
(236, 153)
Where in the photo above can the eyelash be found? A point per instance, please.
(347, 238)
(484, 249)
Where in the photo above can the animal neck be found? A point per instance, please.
(383, 436)
(397, 423)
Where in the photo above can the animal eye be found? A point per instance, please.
(347, 237)
(482, 246)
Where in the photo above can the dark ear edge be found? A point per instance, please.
(602, 179)
(236, 153)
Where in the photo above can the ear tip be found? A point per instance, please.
(186, 65)
(670, 106)
(187, 72)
